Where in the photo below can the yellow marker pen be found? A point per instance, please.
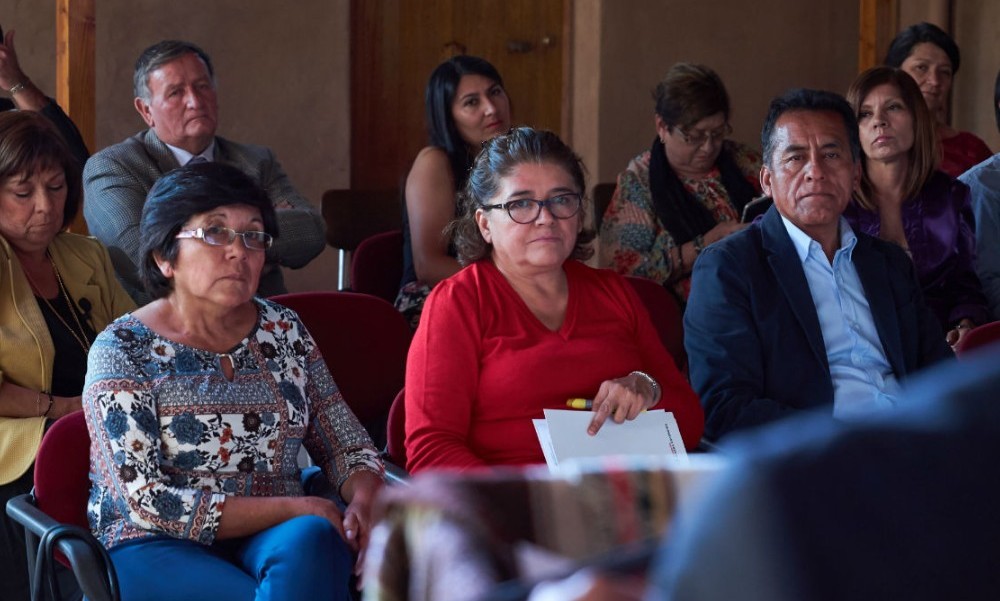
(586, 404)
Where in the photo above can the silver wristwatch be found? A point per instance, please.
(653, 383)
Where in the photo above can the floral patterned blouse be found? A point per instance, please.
(634, 242)
(171, 437)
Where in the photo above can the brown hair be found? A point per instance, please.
(495, 161)
(923, 156)
(29, 143)
(688, 94)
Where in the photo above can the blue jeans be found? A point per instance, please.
(303, 558)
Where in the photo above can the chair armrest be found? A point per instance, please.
(395, 474)
(84, 554)
(22, 510)
(93, 569)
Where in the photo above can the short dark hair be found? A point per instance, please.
(902, 45)
(803, 99)
(29, 143)
(688, 94)
(438, 99)
(495, 161)
(159, 54)
(180, 195)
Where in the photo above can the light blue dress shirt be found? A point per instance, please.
(863, 381)
(983, 181)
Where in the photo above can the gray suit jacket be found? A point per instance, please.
(117, 179)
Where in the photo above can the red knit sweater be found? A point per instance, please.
(482, 366)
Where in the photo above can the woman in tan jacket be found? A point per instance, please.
(57, 290)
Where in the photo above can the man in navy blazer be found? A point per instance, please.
(797, 311)
(175, 95)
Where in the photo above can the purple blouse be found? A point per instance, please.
(938, 224)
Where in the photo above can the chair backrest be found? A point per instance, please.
(353, 215)
(62, 470)
(377, 265)
(755, 208)
(364, 341)
(979, 337)
(666, 315)
(602, 194)
(395, 431)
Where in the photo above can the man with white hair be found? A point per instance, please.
(175, 94)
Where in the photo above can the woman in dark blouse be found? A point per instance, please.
(903, 198)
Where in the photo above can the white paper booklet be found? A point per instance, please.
(563, 436)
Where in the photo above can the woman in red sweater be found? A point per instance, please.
(526, 325)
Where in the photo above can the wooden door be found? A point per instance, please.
(395, 44)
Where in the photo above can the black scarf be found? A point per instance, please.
(683, 215)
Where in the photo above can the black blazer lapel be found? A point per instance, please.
(873, 270)
(787, 268)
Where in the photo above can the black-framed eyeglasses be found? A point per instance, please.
(698, 138)
(527, 210)
(223, 236)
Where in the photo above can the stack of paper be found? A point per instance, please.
(563, 436)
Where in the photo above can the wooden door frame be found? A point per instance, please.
(878, 24)
(75, 88)
(876, 27)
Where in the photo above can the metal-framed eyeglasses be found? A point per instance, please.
(527, 210)
(697, 138)
(223, 236)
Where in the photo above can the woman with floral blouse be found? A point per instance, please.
(687, 191)
(197, 405)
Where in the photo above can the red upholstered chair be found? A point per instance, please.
(979, 337)
(364, 341)
(377, 265)
(54, 514)
(666, 316)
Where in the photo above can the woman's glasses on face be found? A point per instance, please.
(697, 138)
(527, 210)
(223, 236)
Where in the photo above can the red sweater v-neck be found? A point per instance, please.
(482, 366)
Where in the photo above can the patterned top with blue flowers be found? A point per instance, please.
(171, 437)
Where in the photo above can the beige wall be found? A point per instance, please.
(283, 79)
(34, 24)
(975, 25)
(284, 70)
(977, 31)
(746, 43)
